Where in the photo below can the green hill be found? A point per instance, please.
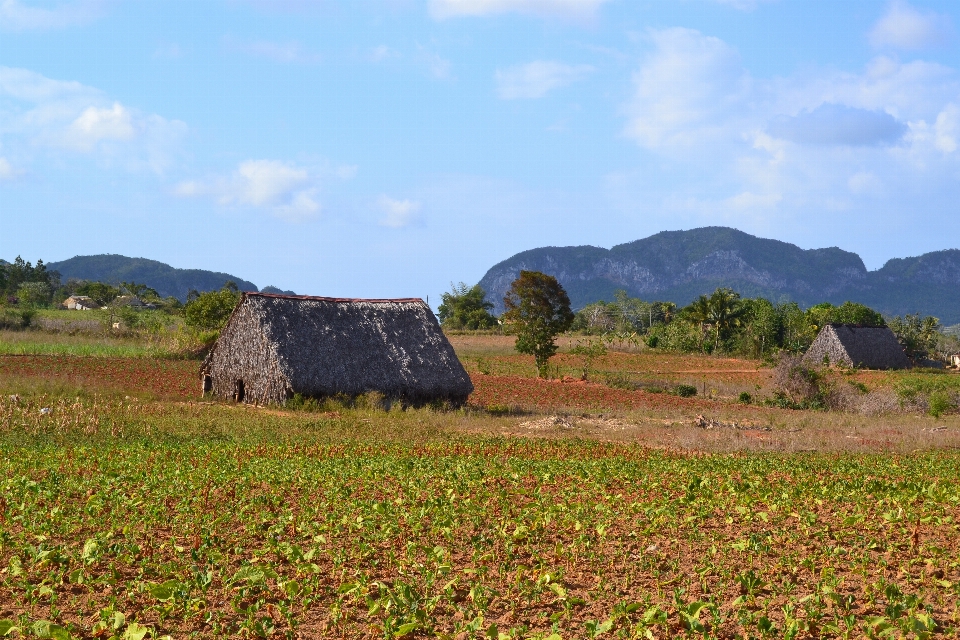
(167, 280)
(680, 265)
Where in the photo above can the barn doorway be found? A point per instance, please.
(238, 392)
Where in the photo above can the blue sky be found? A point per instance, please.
(383, 148)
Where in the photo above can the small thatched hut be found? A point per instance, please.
(274, 346)
(854, 346)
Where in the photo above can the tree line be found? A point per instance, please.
(28, 287)
(721, 322)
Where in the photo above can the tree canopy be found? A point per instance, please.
(466, 307)
(537, 309)
(210, 311)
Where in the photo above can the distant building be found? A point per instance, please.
(955, 360)
(855, 346)
(128, 301)
(80, 303)
(275, 346)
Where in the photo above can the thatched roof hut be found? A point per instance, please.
(274, 346)
(854, 346)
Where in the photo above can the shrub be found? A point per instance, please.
(744, 398)
(499, 410)
(796, 381)
(16, 318)
(939, 403)
(619, 380)
(685, 390)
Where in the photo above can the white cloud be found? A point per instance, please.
(774, 155)
(96, 124)
(6, 169)
(686, 91)
(283, 189)
(38, 112)
(266, 182)
(568, 9)
(399, 213)
(16, 16)
(439, 67)
(904, 27)
(864, 182)
(947, 128)
(535, 79)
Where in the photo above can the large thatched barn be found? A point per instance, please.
(854, 346)
(275, 346)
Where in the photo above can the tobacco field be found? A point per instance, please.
(132, 519)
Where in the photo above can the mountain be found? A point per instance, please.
(680, 265)
(167, 280)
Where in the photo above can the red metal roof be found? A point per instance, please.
(323, 299)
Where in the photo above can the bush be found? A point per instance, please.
(745, 398)
(619, 380)
(680, 335)
(16, 318)
(685, 390)
(939, 403)
(796, 382)
(499, 410)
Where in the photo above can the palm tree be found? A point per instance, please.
(724, 311)
(699, 311)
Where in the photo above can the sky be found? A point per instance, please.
(387, 148)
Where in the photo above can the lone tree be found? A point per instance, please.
(537, 309)
(466, 308)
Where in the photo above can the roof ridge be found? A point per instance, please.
(326, 299)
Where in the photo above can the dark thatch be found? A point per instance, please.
(863, 347)
(275, 346)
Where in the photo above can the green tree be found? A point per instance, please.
(825, 313)
(726, 313)
(538, 309)
(917, 335)
(760, 327)
(20, 271)
(34, 294)
(797, 332)
(466, 308)
(141, 291)
(698, 312)
(859, 314)
(210, 311)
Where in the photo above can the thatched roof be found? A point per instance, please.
(855, 346)
(282, 344)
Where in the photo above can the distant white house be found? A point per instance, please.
(80, 303)
(955, 359)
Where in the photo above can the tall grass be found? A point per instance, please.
(32, 343)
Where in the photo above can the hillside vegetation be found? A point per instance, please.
(681, 265)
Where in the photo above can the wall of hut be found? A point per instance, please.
(243, 354)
